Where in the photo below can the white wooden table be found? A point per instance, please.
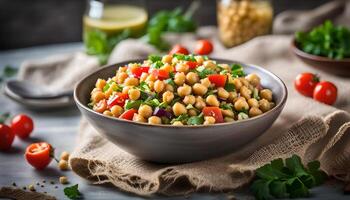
(59, 128)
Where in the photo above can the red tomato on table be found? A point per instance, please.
(203, 47)
(22, 125)
(218, 79)
(6, 137)
(213, 112)
(128, 115)
(178, 49)
(118, 99)
(325, 92)
(39, 155)
(305, 83)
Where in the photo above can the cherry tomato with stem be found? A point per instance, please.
(325, 92)
(305, 83)
(22, 125)
(203, 47)
(178, 49)
(39, 155)
(6, 137)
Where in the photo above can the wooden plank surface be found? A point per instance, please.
(60, 129)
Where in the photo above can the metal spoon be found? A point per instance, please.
(29, 90)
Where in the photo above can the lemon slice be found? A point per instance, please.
(117, 18)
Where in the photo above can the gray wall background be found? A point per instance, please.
(26, 23)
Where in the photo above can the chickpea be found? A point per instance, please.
(253, 79)
(228, 119)
(245, 92)
(254, 111)
(126, 89)
(122, 69)
(145, 111)
(177, 123)
(179, 109)
(184, 90)
(241, 105)
(253, 103)
(238, 84)
(151, 77)
(200, 104)
(192, 78)
(95, 90)
(266, 94)
(121, 77)
(182, 67)
(167, 59)
(159, 86)
(169, 88)
(212, 100)
(226, 66)
(199, 59)
(97, 96)
(63, 180)
(117, 110)
(192, 112)
(168, 96)
(206, 82)
(264, 105)
(244, 82)
(209, 120)
(132, 66)
(179, 78)
(131, 81)
(222, 93)
(108, 92)
(138, 118)
(144, 76)
(64, 155)
(199, 89)
(134, 94)
(189, 99)
(63, 165)
(31, 188)
(100, 83)
(209, 64)
(107, 113)
(232, 96)
(227, 113)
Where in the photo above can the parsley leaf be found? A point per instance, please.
(230, 87)
(289, 178)
(154, 58)
(72, 192)
(195, 120)
(132, 104)
(237, 71)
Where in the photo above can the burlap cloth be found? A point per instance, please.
(305, 127)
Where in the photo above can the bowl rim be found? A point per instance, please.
(274, 109)
(301, 53)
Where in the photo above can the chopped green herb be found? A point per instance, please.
(157, 64)
(242, 116)
(152, 102)
(181, 118)
(132, 104)
(144, 87)
(4, 117)
(9, 71)
(184, 57)
(204, 72)
(227, 106)
(237, 71)
(170, 81)
(289, 179)
(230, 87)
(154, 58)
(256, 94)
(72, 192)
(196, 120)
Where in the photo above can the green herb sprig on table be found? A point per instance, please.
(326, 40)
(8, 72)
(72, 192)
(287, 179)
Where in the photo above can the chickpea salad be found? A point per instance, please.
(181, 90)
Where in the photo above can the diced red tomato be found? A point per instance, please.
(161, 74)
(178, 49)
(118, 99)
(218, 79)
(213, 112)
(137, 71)
(192, 64)
(128, 115)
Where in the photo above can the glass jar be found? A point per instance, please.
(106, 22)
(242, 20)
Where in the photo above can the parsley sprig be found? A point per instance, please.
(287, 179)
(72, 192)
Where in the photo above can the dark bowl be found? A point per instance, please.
(332, 66)
(179, 144)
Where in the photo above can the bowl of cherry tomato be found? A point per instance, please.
(180, 108)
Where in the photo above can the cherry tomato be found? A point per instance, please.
(128, 115)
(325, 92)
(178, 49)
(213, 112)
(192, 64)
(161, 74)
(218, 79)
(22, 125)
(203, 47)
(6, 137)
(305, 83)
(39, 155)
(137, 71)
(118, 99)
